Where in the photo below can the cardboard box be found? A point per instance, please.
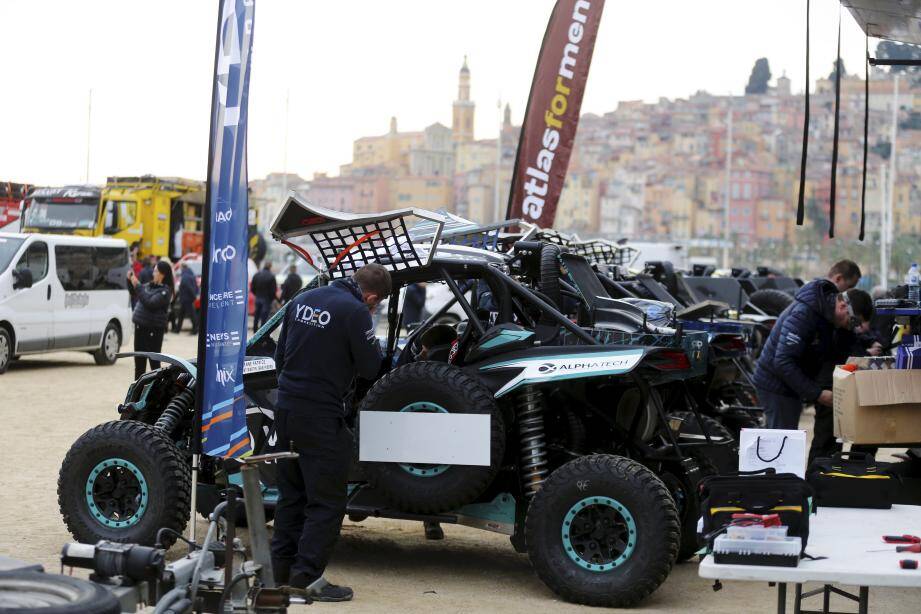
(878, 406)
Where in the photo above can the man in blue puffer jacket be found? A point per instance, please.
(807, 334)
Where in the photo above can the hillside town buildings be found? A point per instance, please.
(656, 171)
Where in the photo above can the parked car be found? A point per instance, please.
(63, 293)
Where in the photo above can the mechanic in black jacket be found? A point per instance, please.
(804, 338)
(151, 313)
(326, 339)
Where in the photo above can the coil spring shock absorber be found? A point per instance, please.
(530, 406)
(177, 407)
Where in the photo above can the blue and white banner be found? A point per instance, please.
(221, 352)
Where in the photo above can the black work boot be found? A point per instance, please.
(317, 590)
(282, 571)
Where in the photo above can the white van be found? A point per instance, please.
(63, 293)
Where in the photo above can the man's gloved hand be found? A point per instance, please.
(825, 398)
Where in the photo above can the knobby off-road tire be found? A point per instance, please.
(123, 481)
(726, 457)
(602, 531)
(550, 274)
(442, 388)
(111, 343)
(27, 592)
(684, 491)
(771, 301)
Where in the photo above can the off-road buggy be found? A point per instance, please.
(724, 393)
(585, 471)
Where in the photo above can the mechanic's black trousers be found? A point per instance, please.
(312, 488)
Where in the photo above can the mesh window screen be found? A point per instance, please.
(345, 250)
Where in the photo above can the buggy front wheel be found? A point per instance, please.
(602, 531)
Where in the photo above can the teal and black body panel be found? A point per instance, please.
(551, 364)
(502, 339)
(695, 345)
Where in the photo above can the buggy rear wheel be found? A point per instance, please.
(433, 387)
(123, 481)
(602, 531)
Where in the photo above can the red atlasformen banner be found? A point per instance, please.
(552, 115)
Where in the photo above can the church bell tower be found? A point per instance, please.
(462, 122)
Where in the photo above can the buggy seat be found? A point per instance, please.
(599, 309)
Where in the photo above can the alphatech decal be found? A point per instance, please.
(545, 369)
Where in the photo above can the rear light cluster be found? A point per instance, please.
(670, 360)
(729, 343)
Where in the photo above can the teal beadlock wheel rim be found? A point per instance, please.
(116, 493)
(599, 534)
(419, 470)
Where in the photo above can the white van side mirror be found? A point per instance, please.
(23, 278)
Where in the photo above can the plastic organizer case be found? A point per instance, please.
(774, 552)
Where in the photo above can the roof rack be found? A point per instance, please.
(465, 233)
(348, 241)
(602, 251)
(536, 233)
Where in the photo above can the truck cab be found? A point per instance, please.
(71, 210)
(161, 215)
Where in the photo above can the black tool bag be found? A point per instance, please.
(851, 479)
(755, 492)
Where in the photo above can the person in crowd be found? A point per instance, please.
(292, 284)
(188, 292)
(808, 335)
(146, 274)
(265, 289)
(414, 304)
(326, 339)
(136, 263)
(151, 313)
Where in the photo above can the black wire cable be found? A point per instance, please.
(834, 145)
(866, 133)
(800, 207)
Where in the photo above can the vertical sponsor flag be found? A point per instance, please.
(552, 114)
(224, 276)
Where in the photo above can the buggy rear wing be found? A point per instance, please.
(348, 241)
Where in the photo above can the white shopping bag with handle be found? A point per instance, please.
(784, 450)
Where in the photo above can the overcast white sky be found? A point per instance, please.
(349, 66)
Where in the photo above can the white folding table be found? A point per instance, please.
(844, 536)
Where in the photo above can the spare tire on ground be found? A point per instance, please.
(123, 481)
(32, 591)
(771, 301)
(442, 388)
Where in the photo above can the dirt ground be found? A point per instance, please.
(46, 402)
